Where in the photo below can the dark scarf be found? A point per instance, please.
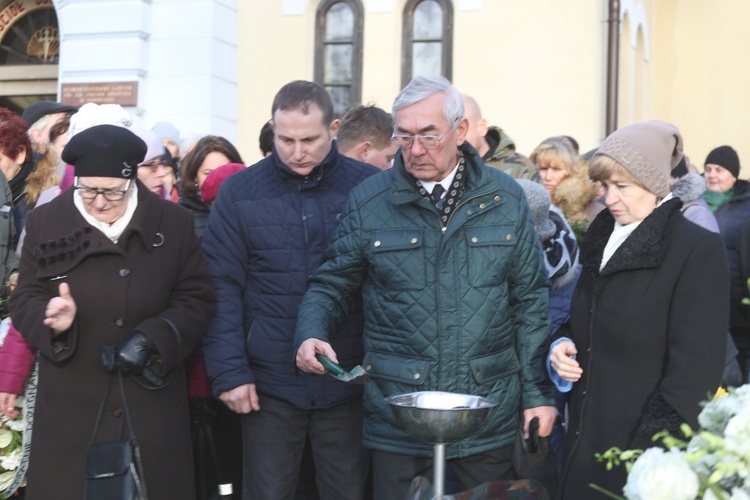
(18, 183)
(453, 197)
(643, 249)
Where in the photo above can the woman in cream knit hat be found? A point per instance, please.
(645, 342)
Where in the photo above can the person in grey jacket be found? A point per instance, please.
(454, 291)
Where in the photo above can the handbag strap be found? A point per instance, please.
(136, 464)
(101, 411)
(125, 408)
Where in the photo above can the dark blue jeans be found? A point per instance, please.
(273, 441)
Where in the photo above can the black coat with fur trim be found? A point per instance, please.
(155, 269)
(650, 330)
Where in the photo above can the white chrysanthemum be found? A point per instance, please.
(738, 494)
(5, 479)
(717, 413)
(658, 475)
(737, 435)
(16, 425)
(11, 461)
(743, 392)
(6, 437)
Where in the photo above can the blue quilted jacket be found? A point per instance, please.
(462, 309)
(268, 230)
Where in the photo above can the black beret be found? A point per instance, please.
(105, 151)
(37, 110)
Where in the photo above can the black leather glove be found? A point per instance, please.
(133, 354)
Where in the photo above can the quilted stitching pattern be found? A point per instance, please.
(267, 233)
(445, 298)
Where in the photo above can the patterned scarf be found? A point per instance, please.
(452, 198)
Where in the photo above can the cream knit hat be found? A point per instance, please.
(648, 151)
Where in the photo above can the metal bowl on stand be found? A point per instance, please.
(440, 418)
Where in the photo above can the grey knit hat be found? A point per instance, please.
(648, 151)
(539, 203)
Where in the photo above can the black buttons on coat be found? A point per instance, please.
(124, 272)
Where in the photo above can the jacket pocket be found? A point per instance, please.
(397, 258)
(490, 367)
(394, 368)
(490, 250)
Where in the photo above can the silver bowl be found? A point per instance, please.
(440, 417)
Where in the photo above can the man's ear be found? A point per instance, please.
(482, 127)
(334, 127)
(461, 129)
(363, 150)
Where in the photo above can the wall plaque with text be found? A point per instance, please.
(78, 94)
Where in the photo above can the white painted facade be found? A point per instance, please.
(182, 54)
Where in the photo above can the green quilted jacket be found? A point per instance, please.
(459, 309)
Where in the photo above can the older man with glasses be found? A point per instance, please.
(454, 290)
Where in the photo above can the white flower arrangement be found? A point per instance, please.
(713, 464)
(11, 445)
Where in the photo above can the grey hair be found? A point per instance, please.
(422, 87)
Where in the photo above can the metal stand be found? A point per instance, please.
(440, 418)
(438, 475)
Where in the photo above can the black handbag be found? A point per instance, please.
(533, 458)
(114, 470)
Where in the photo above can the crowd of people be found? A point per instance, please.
(164, 291)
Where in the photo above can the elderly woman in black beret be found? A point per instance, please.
(109, 264)
(646, 338)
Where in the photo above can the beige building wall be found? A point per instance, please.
(536, 68)
(702, 74)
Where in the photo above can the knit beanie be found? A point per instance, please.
(648, 151)
(155, 149)
(725, 156)
(538, 198)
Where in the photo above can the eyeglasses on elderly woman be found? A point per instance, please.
(88, 193)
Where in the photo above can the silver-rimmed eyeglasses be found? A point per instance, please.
(427, 141)
(88, 193)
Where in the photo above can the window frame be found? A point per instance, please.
(357, 47)
(408, 40)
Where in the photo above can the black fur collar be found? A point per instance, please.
(642, 250)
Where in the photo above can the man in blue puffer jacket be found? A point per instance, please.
(267, 232)
(454, 291)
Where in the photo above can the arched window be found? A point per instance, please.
(34, 39)
(29, 55)
(338, 51)
(428, 39)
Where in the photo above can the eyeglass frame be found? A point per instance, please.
(104, 192)
(418, 138)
